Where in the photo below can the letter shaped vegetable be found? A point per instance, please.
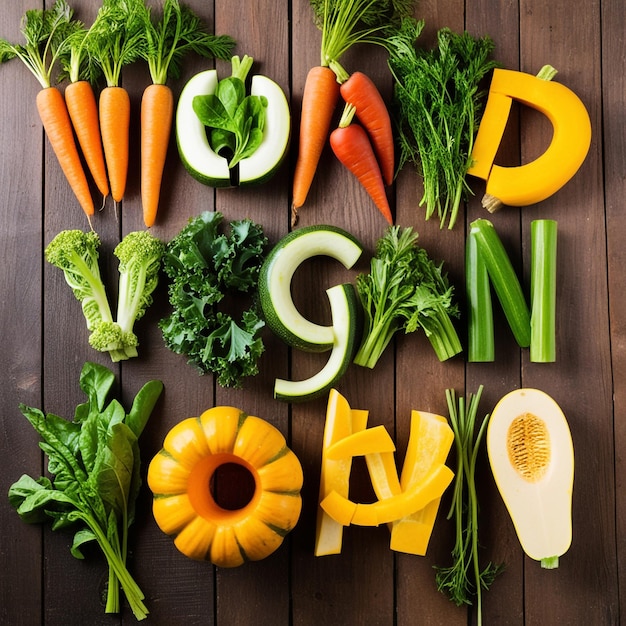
(535, 181)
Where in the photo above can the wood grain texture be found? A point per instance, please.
(45, 340)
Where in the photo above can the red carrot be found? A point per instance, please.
(361, 92)
(321, 92)
(353, 148)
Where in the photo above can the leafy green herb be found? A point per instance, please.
(44, 32)
(117, 37)
(207, 268)
(95, 464)
(235, 120)
(405, 290)
(437, 109)
(178, 31)
(464, 579)
(345, 23)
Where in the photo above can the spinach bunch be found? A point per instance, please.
(235, 120)
(95, 464)
(208, 270)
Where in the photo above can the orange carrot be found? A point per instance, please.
(321, 92)
(115, 125)
(352, 147)
(83, 110)
(157, 107)
(58, 126)
(361, 92)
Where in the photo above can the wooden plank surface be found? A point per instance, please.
(45, 341)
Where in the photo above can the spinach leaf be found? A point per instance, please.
(95, 464)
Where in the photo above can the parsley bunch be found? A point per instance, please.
(207, 268)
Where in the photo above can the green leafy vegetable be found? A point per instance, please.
(345, 23)
(95, 464)
(177, 31)
(235, 120)
(464, 579)
(77, 253)
(405, 290)
(44, 32)
(437, 108)
(206, 267)
(117, 37)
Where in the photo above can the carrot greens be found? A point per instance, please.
(438, 102)
(347, 23)
(177, 31)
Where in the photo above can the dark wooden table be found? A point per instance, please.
(44, 343)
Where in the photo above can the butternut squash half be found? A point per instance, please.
(532, 459)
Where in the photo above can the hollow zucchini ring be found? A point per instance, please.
(181, 477)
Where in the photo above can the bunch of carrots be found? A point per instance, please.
(367, 150)
(123, 31)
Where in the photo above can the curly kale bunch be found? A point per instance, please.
(210, 270)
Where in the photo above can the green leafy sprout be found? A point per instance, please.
(234, 119)
(177, 31)
(405, 290)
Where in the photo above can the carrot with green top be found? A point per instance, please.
(115, 39)
(42, 31)
(343, 24)
(353, 148)
(82, 104)
(168, 39)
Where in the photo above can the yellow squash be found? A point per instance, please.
(181, 477)
(537, 180)
(532, 459)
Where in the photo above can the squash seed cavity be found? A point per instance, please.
(528, 444)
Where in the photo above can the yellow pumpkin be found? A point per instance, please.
(182, 476)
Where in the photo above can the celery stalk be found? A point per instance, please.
(543, 234)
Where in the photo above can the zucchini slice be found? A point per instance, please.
(212, 169)
(344, 304)
(279, 310)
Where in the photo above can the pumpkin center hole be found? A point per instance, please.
(232, 486)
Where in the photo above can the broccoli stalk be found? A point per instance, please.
(405, 290)
(76, 253)
(140, 256)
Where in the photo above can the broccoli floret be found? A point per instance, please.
(76, 253)
(106, 337)
(140, 255)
